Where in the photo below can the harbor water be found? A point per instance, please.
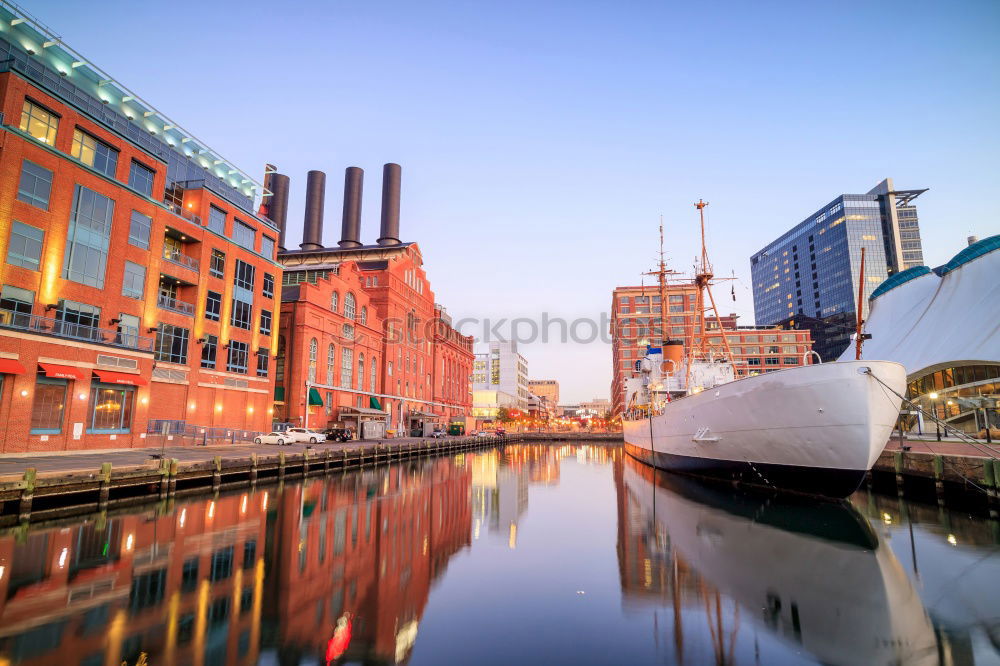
(524, 554)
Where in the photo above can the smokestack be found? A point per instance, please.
(277, 210)
(312, 230)
(390, 205)
(350, 230)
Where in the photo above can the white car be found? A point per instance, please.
(484, 433)
(304, 435)
(278, 438)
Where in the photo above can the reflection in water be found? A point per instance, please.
(361, 568)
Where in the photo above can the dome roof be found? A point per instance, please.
(974, 251)
(896, 280)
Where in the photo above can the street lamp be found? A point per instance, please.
(937, 424)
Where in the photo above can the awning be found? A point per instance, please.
(364, 411)
(314, 398)
(62, 371)
(119, 378)
(279, 393)
(9, 366)
(374, 403)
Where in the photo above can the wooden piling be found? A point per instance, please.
(27, 494)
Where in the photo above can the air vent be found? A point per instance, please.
(170, 374)
(237, 383)
(117, 362)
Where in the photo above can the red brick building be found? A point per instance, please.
(137, 287)
(635, 323)
(423, 365)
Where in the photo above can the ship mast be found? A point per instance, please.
(703, 281)
(661, 275)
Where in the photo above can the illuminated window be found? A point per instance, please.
(94, 153)
(25, 246)
(110, 408)
(35, 185)
(39, 123)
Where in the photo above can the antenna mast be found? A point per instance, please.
(703, 281)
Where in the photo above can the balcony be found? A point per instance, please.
(179, 258)
(168, 302)
(36, 324)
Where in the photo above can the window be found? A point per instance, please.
(361, 372)
(140, 178)
(128, 330)
(88, 236)
(217, 265)
(94, 153)
(267, 246)
(134, 280)
(171, 344)
(189, 574)
(753, 361)
(110, 408)
(313, 353)
(372, 384)
(242, 314)
(18, 301)
(279, 363)
(39, 123)
(265, 322)
(213, 306)
(217, 220)
(35, 185)
(48, 406)
(331, 364)
(349, 306)
(238, 357)
(138, 230)
(388, 369)
(334, 298)
(348, 331)
(243, 234)
(364, 315)
(25, 246)
(249, 554)
(245, 275)
(346, 366)
(209, 349)
(222, 564)
(78, 320)
(268, 291)
(262, 356)
(772, 360)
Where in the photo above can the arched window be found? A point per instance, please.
(373, 384)
(364, 315)
(331, 364)
(346, 367)
(334, 301)
(279, 364)
(361, 372)
(349, 306)
(313, 350)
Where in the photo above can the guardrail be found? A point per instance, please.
(65, 329)
(174, 305)
(180, 259)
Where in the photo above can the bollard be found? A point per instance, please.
(217, 473)
(281, 465)
(27, 494)
(897, 462)
(305, 463)
(105, 488)
(164, 477)
(253, 469)
(174, 464)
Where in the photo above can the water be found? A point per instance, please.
(527, 555)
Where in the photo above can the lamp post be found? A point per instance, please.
(937, 423)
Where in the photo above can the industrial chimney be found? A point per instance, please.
(275, 207)
(350, 231)
(390, 205)
(312, 230)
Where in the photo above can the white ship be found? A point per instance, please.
(814, 429)
(816, 575)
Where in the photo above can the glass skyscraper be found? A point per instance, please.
(808, 277)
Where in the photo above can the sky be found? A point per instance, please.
(540, 141)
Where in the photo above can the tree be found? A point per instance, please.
(503, 415)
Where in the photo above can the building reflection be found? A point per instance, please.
(750, 579)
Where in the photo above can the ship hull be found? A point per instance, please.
(815, 429)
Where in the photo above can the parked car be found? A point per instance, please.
(304, 435)
(484, 433)
(278, 438)
(438, 434)
(339, 434)
(501, 431)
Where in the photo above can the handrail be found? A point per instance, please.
(65, 329)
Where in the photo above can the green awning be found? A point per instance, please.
(314, 398)
(279, 393)
(375, 404)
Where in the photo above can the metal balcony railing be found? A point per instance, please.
(177, 209)
(36, 324)
(180, 259)
(170, 303)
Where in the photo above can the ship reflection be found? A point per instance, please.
(815, 577)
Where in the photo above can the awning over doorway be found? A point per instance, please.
(374, 403)
(57, 371)
(119, 378)
(9, 366)
(314, 398)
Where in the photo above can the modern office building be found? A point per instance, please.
(546, 389)
(808, 278)
(503, 369)
(417, 367)
(635, 324)
(138, 281)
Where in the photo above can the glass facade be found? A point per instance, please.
(810, 274)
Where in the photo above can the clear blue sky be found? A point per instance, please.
(541, 140)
